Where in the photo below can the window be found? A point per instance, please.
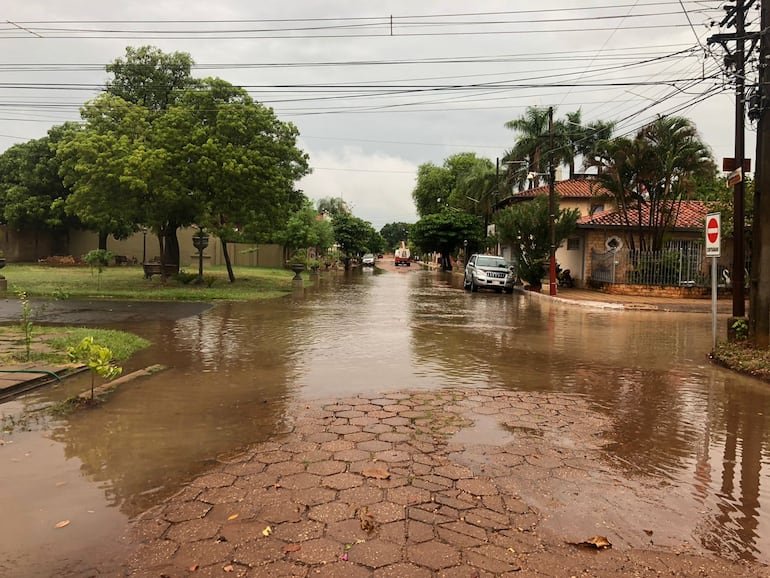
(573, 244)
(596, 209)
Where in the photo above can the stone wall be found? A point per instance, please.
(656, 290)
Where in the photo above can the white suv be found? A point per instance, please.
(491, 271)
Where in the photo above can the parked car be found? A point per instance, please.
(367, 260)
(488, 271)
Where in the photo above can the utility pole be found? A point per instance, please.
(736, 15)
(759, 303)
(551, 204)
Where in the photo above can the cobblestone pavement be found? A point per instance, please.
(390, 487)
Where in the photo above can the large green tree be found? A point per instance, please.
(439, 187)
(446, 232)
(238, 158)
(103, 164)
(32, 194)
(352, 235)
(154, 80)
(304, 229)
(333, 206)
(526, 227)
(648, 176)
(394, 233)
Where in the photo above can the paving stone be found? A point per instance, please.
(344, 429)
(453, 472)
(457, 539)
(342, 569)
(337, 445)
(364, 421)
(394, 437)
(408, 495)
(347, 531)
(342, 481)
(285, 468)
(215, 480)
(244, 468)
(417, 532)
(434, 555)
(351, 413)
(337, 407)
(374, 446)
(384, 512)
(429, 516)
(487, 519)
(193, 530)
(259, 551)
(402, 570)
(239, 532)
(301, 481)
(326, 467)
(186, 511)
(283, 512)
(298, 531)
(393, 532)
(392, 456)
(463, 527)
(399, 420)
(298, 447)
(203, 553)
(314, 496)
(154, 553)
(351, 455)
(313, 456)
(278, 568)
(145, 530)
(222, 495)
(375, 553)
(492, 565)
(465, 571)
(318, 551)
(377, 428)
(361, 496)
(360, 436)
(321, 437)
(454, 503)
(332, 512)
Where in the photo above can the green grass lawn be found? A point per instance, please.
(127, 282)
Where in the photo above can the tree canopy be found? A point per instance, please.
(446, 232)
(394, 233)
(526, 227)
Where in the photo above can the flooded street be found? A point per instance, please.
(675, 422)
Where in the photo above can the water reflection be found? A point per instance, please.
(674, 418)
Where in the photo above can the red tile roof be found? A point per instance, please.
(572, 188)
(691, 215)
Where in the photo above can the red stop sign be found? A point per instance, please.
(712, 230)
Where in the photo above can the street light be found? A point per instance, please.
(144, 245)
(465, 252)
(200, 242)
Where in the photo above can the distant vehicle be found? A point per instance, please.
(367, 260)
(403, 257)
(490, 271)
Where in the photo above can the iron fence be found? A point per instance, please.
(681, 263)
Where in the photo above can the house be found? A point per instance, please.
(594, 252)
(581, 193)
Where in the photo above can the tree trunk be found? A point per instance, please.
(170, 253)
(103, 240)
(230, 274)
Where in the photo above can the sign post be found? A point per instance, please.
(713, 250)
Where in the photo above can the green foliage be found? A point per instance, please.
(333, 206)
(526, 226)
(352, 234)
(445, 232)
(437, 187)
(96, 357)
(741, 329)
(98, 258)
(123, 345)
(394, 233)
(26, 321)
(656, 170)
(304, 229)
(184, 277)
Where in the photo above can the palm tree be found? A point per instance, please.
(531, 143)
(655, 171)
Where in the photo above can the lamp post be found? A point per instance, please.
(200, 242)
(144, 245)
(551, 204)
(465, 252)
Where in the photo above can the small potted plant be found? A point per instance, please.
(314, 265)
(297, 263)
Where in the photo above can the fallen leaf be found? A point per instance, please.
(60, 484)
(194, 567)
(292, 548)
(62, 524)
(228, 568)
(377, 473)
(233, 517)
(267, 531)
(344, 557)
(598, 542)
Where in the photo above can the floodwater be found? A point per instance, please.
(233, 370)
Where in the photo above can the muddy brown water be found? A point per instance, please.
(233, 369)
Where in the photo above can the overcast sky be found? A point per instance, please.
(376, 89)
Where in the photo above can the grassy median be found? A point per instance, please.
(128, 282)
